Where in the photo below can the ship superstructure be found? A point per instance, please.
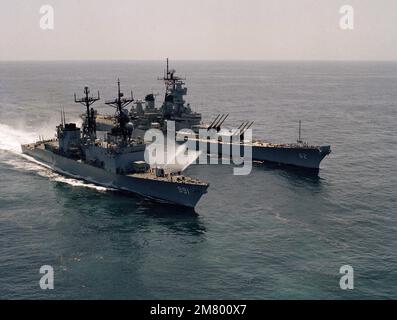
(174, 107)
(116, 160)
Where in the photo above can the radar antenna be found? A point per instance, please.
(89, 128)
(122, 118)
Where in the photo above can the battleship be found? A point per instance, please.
(145, 116)
(114, 161)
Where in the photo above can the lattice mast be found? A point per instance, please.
(89, 126)
(121, 115)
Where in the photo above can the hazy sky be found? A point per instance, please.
(198, 29)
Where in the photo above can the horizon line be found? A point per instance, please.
(198, 60)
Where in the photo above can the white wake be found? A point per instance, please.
(11, 140)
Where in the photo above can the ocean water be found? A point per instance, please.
(274, 234)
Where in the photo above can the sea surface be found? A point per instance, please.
(274, 234)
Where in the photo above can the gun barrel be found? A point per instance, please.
(250, 125)
(215, 125)
(246, 128)
(240, 126)
(242, 130)
(243, 125)
(238, 129)
(220, 124)
(213, 122)
(237, 132)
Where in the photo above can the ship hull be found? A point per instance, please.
(301, 157)
(185, 195)
(297, 157)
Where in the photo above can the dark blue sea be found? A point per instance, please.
(274, 234)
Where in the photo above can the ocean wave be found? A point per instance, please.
(11, 140)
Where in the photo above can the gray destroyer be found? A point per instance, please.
(115, 161)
